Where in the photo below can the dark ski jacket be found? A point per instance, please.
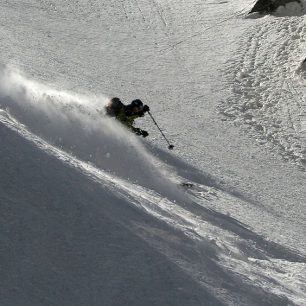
(125, 114)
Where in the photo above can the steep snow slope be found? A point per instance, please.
(280, 7)
(68, 222)
(236, 237)
(67, 240)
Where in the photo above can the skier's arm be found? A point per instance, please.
(146, 108)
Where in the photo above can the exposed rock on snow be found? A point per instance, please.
(263, 6)
(279, 7)
(302, 68)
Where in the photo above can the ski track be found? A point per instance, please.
(273, 274)
(267, 97)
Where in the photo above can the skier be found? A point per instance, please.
(127, 114)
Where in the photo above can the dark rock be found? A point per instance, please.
(269, 6)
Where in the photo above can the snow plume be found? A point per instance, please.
(77, 124)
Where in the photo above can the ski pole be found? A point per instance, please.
(170, 146)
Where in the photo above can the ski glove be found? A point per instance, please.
(144, 133)
(146, 108)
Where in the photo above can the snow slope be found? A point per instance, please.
(268, 90)
(92, 215)
(75, 211)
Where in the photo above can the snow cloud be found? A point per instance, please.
(77, 124)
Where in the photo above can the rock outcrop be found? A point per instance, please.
(270, 6)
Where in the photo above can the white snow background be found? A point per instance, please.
(94, 215)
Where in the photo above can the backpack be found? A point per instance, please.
(114, 107)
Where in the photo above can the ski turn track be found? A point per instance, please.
(266, 96)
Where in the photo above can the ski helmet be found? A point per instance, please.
(137, 103)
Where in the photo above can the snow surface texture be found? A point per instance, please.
(93, 215)
(268, 91)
